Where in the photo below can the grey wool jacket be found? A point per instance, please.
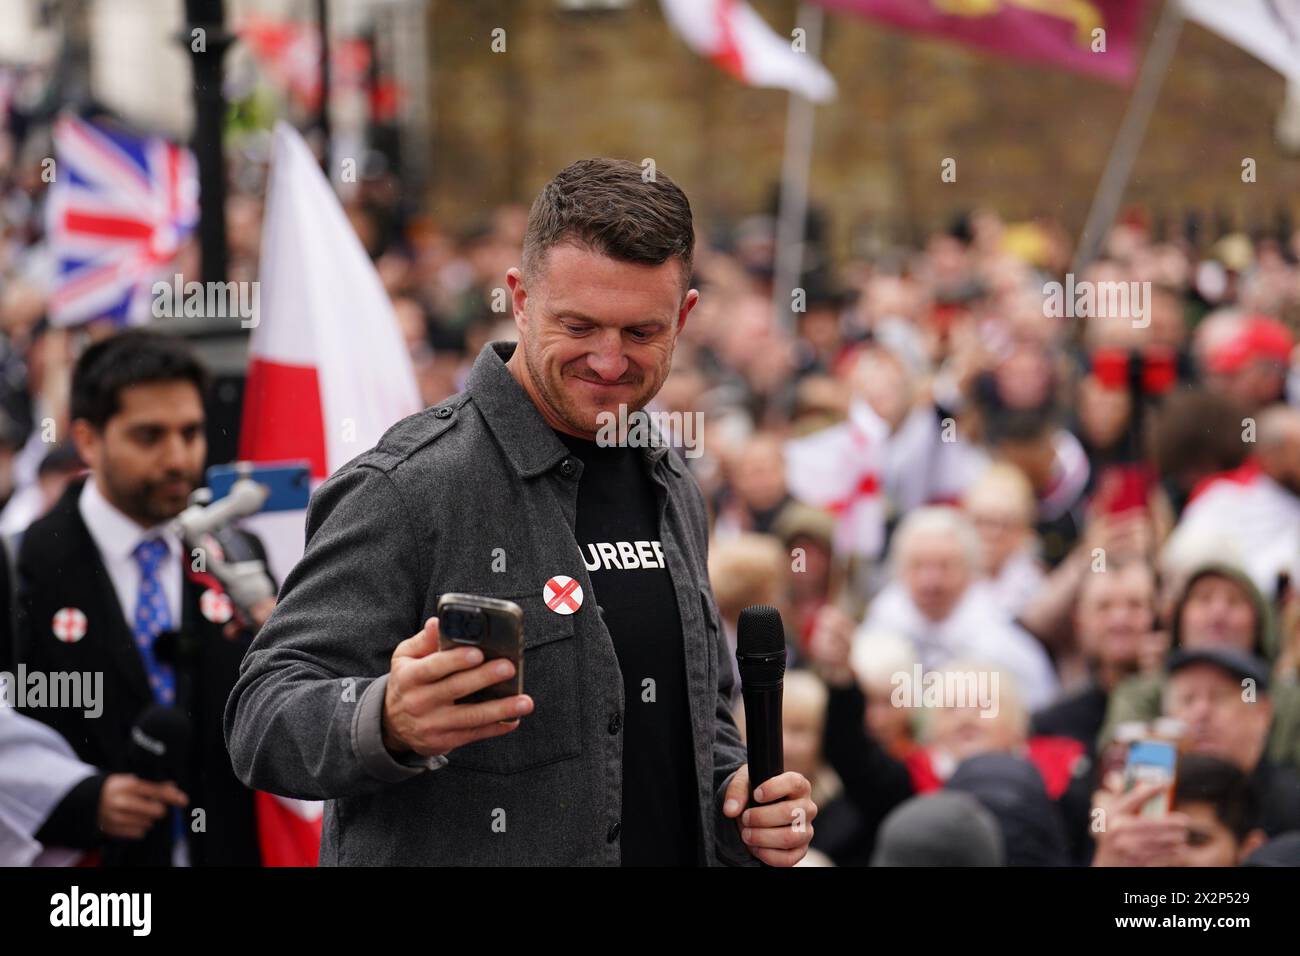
(436, 506)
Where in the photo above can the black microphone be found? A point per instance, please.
(159, 744)
(760, 658)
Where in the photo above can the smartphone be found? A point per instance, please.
(495, 627)
(1124, 488)
(289, 482)
(1152, 761)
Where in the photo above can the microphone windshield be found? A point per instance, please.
(159, 743)
(760, 631)
(760, 644)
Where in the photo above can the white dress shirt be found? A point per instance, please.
(976, 630)
(116, 536)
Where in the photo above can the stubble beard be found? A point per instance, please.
(562, 406)
(140, 502)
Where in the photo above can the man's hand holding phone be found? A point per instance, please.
(424, 683)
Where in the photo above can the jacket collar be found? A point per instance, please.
(515, 421)
(79, 557)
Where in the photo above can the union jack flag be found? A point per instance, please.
(118, 211)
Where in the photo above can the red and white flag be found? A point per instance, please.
(290, 53)
(839, 469)
(328, 374)
(734, 37)
(1268, 30)
(1242, 517)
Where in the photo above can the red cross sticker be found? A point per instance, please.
(69, 625)
(215, 606)
(562, 594)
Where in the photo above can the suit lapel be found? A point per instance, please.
(119, 639)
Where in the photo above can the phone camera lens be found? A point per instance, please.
(462, 625)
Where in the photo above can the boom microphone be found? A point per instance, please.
(760, 658)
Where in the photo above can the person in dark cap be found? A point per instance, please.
(813, 581)
(1012, 790)
(1217, 606)
(1221, 695)
(940, 829)
(1213, 822)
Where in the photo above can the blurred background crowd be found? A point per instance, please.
(925, 467)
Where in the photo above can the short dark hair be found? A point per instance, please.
(1205, 779)
(135, 357)
(610, 207)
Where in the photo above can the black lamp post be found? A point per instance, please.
(323, 114)
(207, 49)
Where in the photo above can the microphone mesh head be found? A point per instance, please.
(760, 631)
(160, 743)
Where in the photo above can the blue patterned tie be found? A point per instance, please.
(152, 617)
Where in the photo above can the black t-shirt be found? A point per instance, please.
(618, 534)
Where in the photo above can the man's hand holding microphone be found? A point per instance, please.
(777, 826)
(130, 806)
(421, 715)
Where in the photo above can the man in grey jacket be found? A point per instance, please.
(623, 749)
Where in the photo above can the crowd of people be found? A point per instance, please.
(1094, 515)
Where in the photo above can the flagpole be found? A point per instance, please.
(796, 164)
(323, 114)
(1132, 131)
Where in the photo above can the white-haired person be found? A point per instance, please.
(933, 601)
(968, 709)
(877, 659)
(1001, 506)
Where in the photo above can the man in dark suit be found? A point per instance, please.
(105, 586)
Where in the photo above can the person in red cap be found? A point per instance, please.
(1249, 366)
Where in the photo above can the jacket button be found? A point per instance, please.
(615, 723)
(567, 468)
(442, 413)
(614, 831)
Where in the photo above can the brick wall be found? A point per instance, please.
(1027, 140)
